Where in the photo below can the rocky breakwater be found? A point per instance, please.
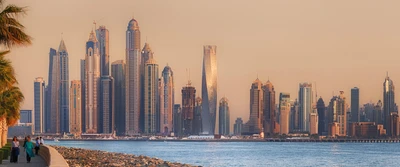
(77, 157)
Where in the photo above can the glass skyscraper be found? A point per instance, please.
(224, 117)
(75, 108)
(209, 89)
(167, 100)
(103, 45)
(355, 105)
(118, 73)
(388, 101)
(188, 103)
(53, 94)
(64, 89)
(39, 105)
(151, 112)
(305, 106)
(284, 112)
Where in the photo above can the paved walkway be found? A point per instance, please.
(36, 161)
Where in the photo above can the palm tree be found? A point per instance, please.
(10, 101)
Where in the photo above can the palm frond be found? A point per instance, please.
(11, 31)
(10, 102)
(7, 74)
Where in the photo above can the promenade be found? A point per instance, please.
(36, 161)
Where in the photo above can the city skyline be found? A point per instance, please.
(371, 90)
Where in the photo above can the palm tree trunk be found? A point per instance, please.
(1, 130)
(4, 132)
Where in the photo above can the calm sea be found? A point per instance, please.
(254, 153)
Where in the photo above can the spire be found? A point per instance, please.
(92, 37)
(62, 46)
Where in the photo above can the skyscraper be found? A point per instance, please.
(188, 102)
(355, 105)
(337, 114)
(25, 116)
(377, 116)
(75, 108)
(295, 116)
(146, 54)
(254, 125)
(53, 99)
(92, 77)
(388, 101)
(103, 45)
(313, 123)
(106, 106)
(64, 89)
(118, 73)
(197, 123)
(224, 117)
(39, 105)
(238, 126)
(209, 88)
(83, 95)
(151, 103)
(321, 117)
(284, 111)
(305, 106)
(167, 102)
(177, 120)
(269, 118)
(133, 78)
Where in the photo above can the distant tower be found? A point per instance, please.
(39, 86)
(133, 78)
(75, 108)
(254, 125)
(238, 126)
(106, 105)
(118, 73)
(151, 112)
(64, 89)
(305, 106)
(269, 118)
(284, 110)
(337, 117)
(103, 44)
(209, 89)
(388, 101)
(178, 120)
(188, 102)
(355, 105)
(167, 102)
(197, 122)
(83, 95)
(92, 77)
(295, 116)
(224, 117)
(53, 97)
(321, 117)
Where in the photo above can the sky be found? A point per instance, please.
(337, 44)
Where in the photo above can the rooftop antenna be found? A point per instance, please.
(94, 22)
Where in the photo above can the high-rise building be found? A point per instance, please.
(53, 96)
(25, 116)
(321, 117)
(92, 77)
(209, 89)
(197, 123)
(355, 105)
(133, 79)
(75, 108)
(269, 106)
(64, 89)
(378, 113)
(254, 125)
(39, 105)
(104, 50)
(388, 101)
(305, 106)
(83, 95)
(284, 112)
(224, 117)
(167, 99)
(393, 128)
(238, 126)
(188, 102)
(118, 73)
(337, 115)
(177, 120)
(314, 123)
(151, 103)
(145, 56)
(294, 109)
(106, 106)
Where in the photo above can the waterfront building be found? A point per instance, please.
(151, 98)
(92, 77)
(83, 95)
(224, 117)
(284, 112)
(269, 119)
(337, 115)
(393, 128)
(294, 109)
(238, 126)
(388, 102)
(106, 105)
(53, 94)
(366, 130)
(39, 105)
(367, 112)
(314, 124)
(104, 50)
(145, 56)
(75, 108)
(188, 103)
(118, 73)
(254, 125)
(378, 113)
(321, 109)
(355, 105)
(177, 120)
(133, 69)
(209, 89)
(197, 123)
(64, 88)
(305, 106)
(167, 97)
(25, 116)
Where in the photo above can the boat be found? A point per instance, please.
(56, 140)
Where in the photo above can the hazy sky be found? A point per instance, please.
(337, 44)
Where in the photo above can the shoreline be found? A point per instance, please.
(86, 158)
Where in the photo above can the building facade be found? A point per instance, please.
(53, 97)
(106, 106)
(269, 118)
(209, 89)
(25, 116)
(197, 123)
(167, 100)
(104, 50)
(284, 112)
(83, 94)
(39, 105)
(75, 108)
(355, 105)
(178, 120)
(151, 103)
(118, 73)
(314, 124)
(305, 106)
(254, 125)
(388, 101)
(337, 115)
(64, 88)
(238, 126)
(224, 117)
(188, 103)
(322, 124)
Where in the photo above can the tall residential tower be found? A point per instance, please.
(39, 105)
(64, 88)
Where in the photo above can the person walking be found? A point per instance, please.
(29, 146)
(41, 140)
(14, 150)
(37, 146)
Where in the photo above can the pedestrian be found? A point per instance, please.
(25, 140)
(37, 146)
(14, 150)
(29, 146)
(41, 140)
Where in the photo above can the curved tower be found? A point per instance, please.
(209, 89)
(133, 78)
(167, 102)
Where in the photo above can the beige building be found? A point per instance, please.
(284, 110)
(254, 125)
(337, 114)
(75, 121)
(269, 117)
(313, 123)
